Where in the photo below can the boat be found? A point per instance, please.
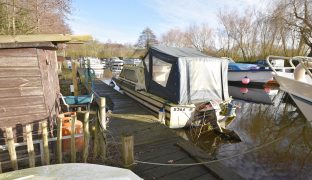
(256, 74)
(95, 64)
(116, 64)
(298, 84)
(179, 84)
(262, 95)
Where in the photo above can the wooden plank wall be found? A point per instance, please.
(21, 93)
(49, 69)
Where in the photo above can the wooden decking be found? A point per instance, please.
(153, 142)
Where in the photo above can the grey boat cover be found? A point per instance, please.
(185, 75)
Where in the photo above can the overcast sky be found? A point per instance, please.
(122, 21)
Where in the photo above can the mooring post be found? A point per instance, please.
(74, 77)
(103, 112)
(127, 150)
(11, 147)
(86, 135)
(96, 139)
(30, 146)
(73, 140)
(46, 153)
(59, 140)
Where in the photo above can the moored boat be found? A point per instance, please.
(256, 74)
(181, 84)
(298, 84)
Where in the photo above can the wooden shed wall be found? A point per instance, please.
(28, 86)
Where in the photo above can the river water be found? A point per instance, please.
(276, 140)
(275, 137)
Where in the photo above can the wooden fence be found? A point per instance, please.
(45, 154)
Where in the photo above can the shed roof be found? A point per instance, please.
(55, 38)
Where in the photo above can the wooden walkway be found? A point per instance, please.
(153, 142)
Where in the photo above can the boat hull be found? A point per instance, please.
(256, 76)
(175, 116)
(300, 93)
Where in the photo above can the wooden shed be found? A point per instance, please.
(29, 85)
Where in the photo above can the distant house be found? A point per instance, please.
(29, 85)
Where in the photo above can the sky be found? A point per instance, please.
(122, 21)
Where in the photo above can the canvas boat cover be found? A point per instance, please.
(185, 75)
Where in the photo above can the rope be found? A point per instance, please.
(222, 159)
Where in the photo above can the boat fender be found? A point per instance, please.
(299, 72)
(245, 80)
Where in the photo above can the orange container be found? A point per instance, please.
(66, 131)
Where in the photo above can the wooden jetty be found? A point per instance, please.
(154, 142)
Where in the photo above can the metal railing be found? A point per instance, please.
(306, 62)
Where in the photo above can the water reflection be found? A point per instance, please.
(273, 120)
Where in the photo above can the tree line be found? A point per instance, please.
(284, 29)
(34, 16)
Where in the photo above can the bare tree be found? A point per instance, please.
(200, 37)
(297, 14)
(175, 38)
(34, 16)
(239, 28)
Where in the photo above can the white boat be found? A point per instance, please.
(252, 73)
(297, 84)
(95, 64)
(173, 82)
(116, 64)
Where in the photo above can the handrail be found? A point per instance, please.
(278, 57)
(303, 60)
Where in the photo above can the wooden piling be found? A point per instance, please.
(59, 140)
(30, 146)
(46, 153)
(102, 110)
(72, 139)
(127, 150)
(86, 134)
(96, 139)
(74, 77)
(11, 147)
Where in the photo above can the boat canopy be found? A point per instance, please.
(185, 75)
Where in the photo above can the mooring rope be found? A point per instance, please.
(222, 159)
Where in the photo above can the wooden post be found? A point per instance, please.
(11, 147)
(86, 134)
(127, 150)
(74, 77)
(96, 139)
(59, 140)
(102, 112)
(45, 141)
(0, 168)
(73, 140)
(30, 146)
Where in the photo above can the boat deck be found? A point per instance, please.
(154, 142)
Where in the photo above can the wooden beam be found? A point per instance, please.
(11, 147)
(86, 136)
(58, 38)
(59, 141)
(73, 139)
(127, 150)
(45, 141)
(74, 77)
(30, 146)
